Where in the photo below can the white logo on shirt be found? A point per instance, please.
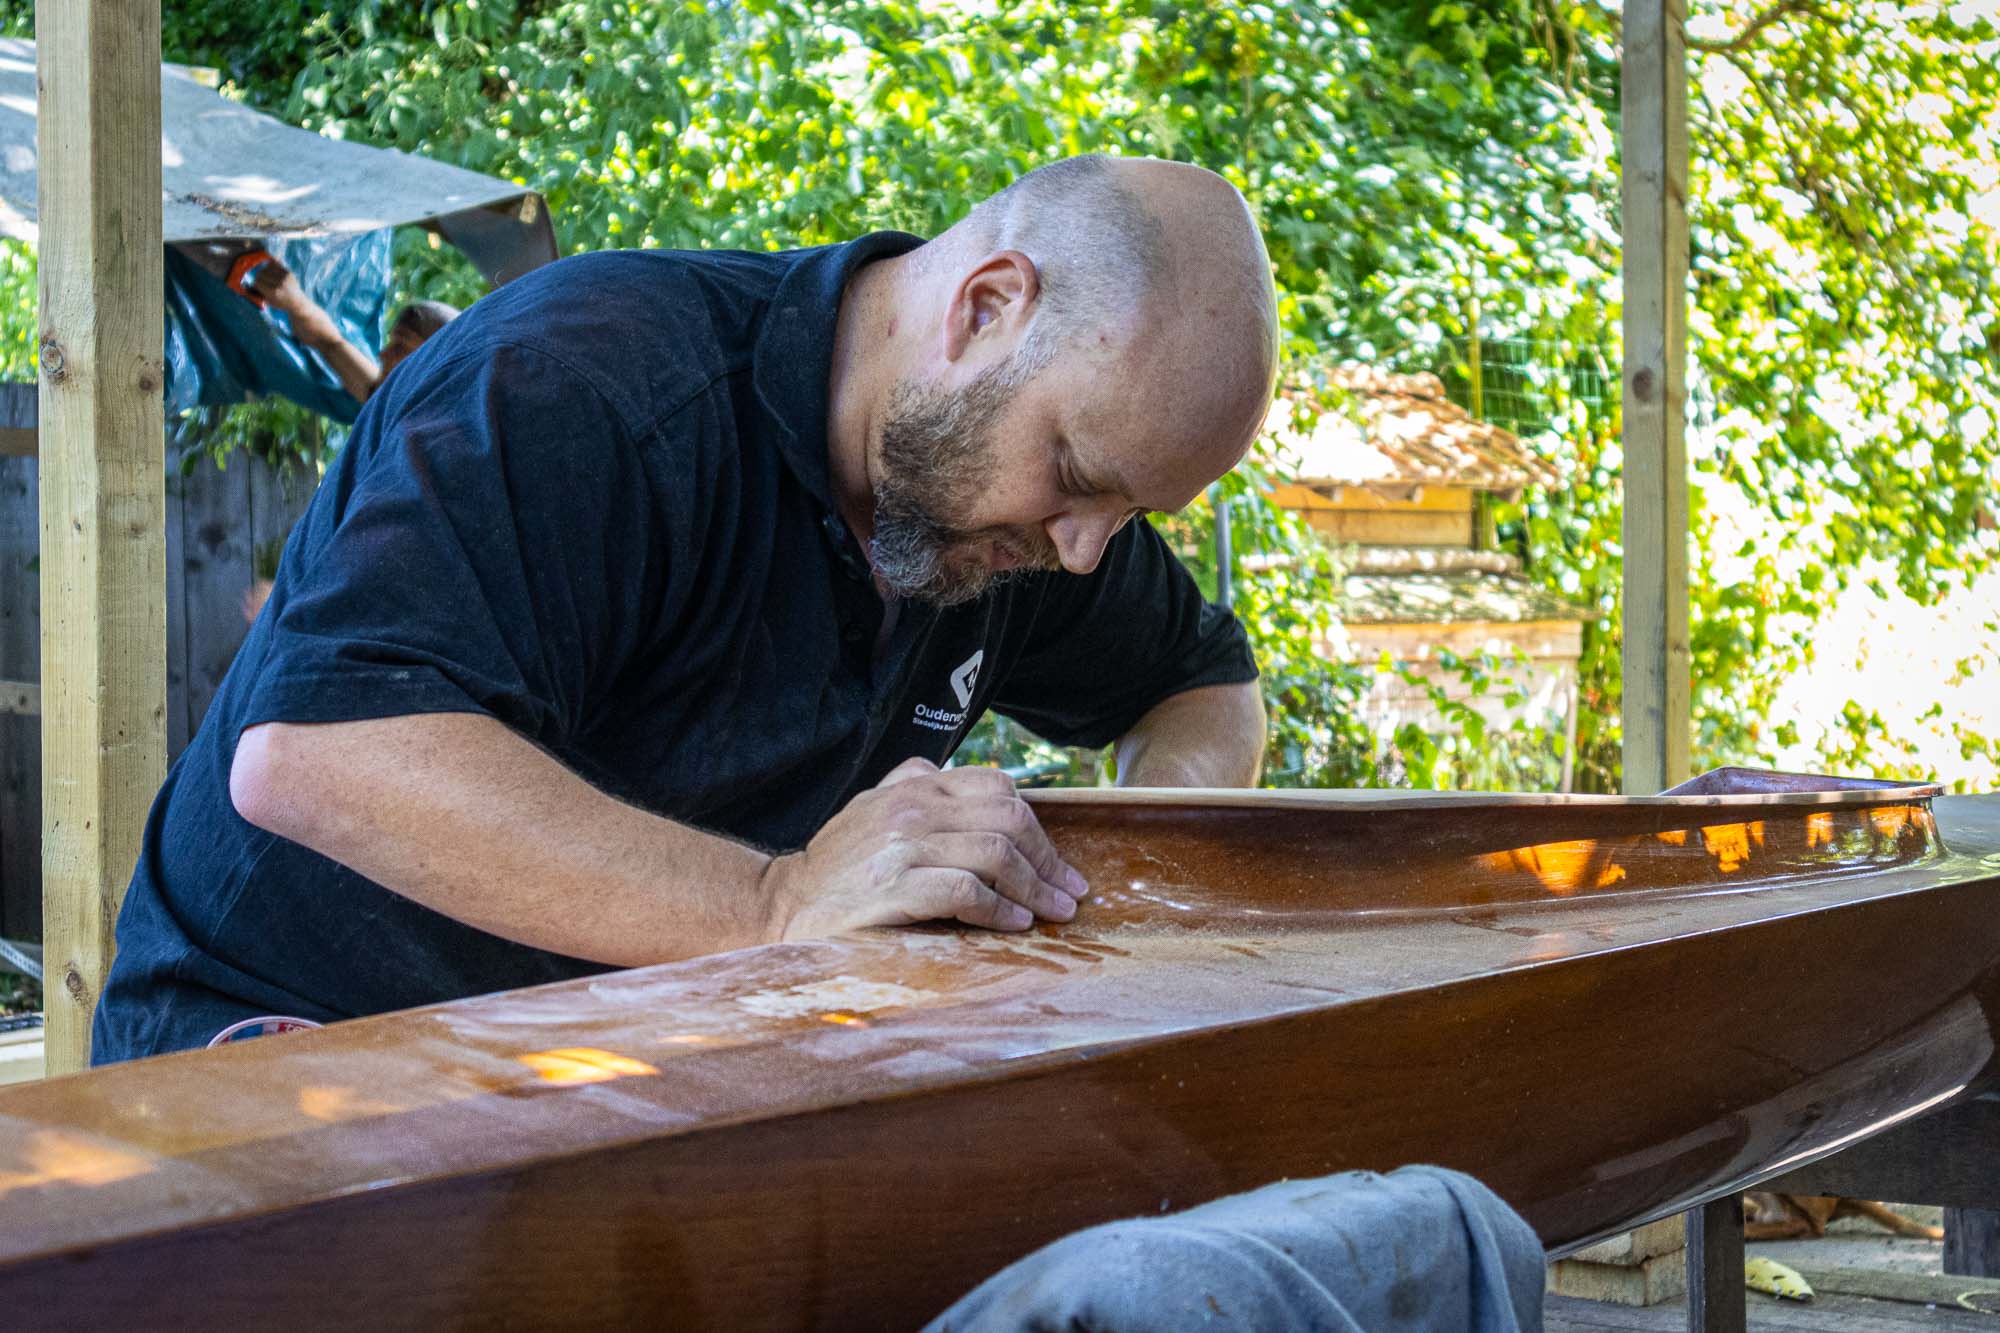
(963, 679)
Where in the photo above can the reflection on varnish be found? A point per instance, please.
(56, 1158)
(333, 1105)
(1561, 867)
(1732, 845)
(1820, 843)
(1890, 820)
(583, 1064)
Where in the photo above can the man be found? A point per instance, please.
(637, 615)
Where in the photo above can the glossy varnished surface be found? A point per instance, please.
(1602, 1009)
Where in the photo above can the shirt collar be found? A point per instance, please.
(793, 357)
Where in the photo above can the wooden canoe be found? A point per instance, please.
(1605, 1008)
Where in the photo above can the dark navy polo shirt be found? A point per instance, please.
(596, 507)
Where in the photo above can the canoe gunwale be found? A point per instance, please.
(1852, 793)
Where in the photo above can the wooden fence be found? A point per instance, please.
(218, 519)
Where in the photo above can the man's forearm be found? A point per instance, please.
(359, 372)
(1207, 737)
(458, 813)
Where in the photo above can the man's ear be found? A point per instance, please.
(996, 297)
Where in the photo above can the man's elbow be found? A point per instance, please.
(1252, 731)
(264, 779)
(1210, 736)
(1255, 716)
(1236, 714)
(1235, 725)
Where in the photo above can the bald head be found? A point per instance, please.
(1160, 260)
(1095, 341)
(1100, 252)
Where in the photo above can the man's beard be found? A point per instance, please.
(936, 463)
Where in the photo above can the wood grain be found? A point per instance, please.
(102, 439)
(852, 1132)
(1715, 1267)
(1654, 161)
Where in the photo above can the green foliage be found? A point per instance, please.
(18, 331)
(283, 434)
(1465, 752)
(1284, 585)
(19, 994)
(1434, 178)
(1846, 325)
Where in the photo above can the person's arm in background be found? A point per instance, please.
(311, 325)
(359, 372)
(1211, 736)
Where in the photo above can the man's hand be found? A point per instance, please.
(276, 284)
(925, 845)
(359, 372)
(254, 597)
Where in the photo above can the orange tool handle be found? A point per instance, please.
(239, 272)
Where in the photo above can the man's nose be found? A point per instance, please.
(1080, 537)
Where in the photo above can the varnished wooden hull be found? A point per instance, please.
(1603, 1010)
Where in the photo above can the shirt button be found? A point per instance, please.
(843, 549)
(851, 633)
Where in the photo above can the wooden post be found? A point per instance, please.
(1654, 153)
(102, 482)
(1715, 1266)
(1972, 1242)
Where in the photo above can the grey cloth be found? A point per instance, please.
(1422, 1249)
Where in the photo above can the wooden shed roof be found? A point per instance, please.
(1381, 428)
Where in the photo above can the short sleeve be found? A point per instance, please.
(481, 546)
(1103, 648)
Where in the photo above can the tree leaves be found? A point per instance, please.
(1429, 175)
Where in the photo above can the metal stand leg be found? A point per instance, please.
(1715, 1266)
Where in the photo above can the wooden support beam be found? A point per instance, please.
(1972, 1242)
(1654, 157)
(1715, 1266)
(102, 483)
